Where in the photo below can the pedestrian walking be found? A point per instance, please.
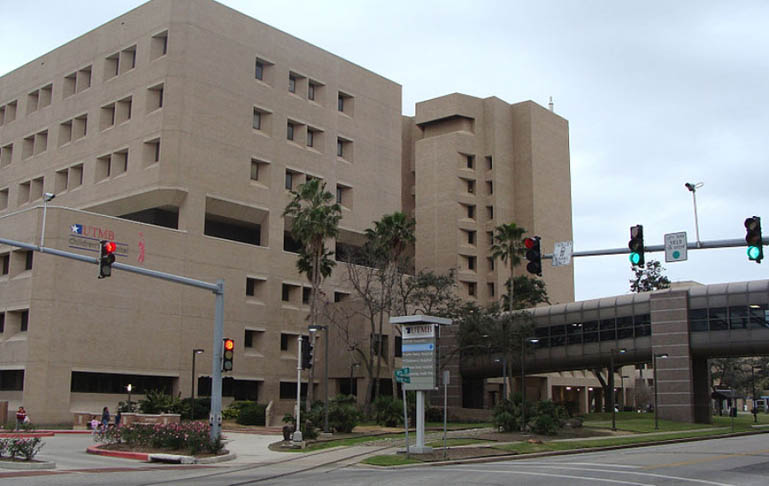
(118, 417)
(21, 418)
(105, 418)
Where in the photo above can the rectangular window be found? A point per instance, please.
(489, 163)
(378, 340)
(471, 211)
(491, 290)
(310, 138)
(338, 195)
(2, 322)
(288, 390)
(159, 45)
(340, 103)
(471, 263)
(250, 285)
(5, 262)
(471, 289)
(490, 262)
(6, 155)
(489, 187)
(471, 237)
(24, 321)
(289, 184)
(284, 341)
(259, 70)
(290, 131)
(398, 347)
(28, 257)
(248, 339)
(4, 198)
(155, 97)
(471, 187)
(292, 83)
(285, 293)
(490, 212)
(345, 103)
(112, 66)
(256, 124)
(306, 294)
(470, 161)
(311, 91)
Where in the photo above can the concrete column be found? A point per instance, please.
(701, 382)
(670, 335)
(584, 400)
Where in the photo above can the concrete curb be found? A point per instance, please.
(534, 455)
(27, 435)
(158, 457)
(27, 465)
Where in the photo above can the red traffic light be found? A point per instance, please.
(229, 344)
(109, 247)
(529, 243)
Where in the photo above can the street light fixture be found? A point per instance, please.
(129, 388)
(753, 367)
(693, 189)
(611, 386)
(316, 328)
(195, 352)
(524, 342)
(654, 364)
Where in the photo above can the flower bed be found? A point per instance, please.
(20, 448)
(190, 437)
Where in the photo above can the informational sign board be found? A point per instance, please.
(562, 253)
(675, 247)
(419, 355)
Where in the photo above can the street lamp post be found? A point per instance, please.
(693, 189)
(129, 388)
(315, 328)
(624, 400)
(503, 360)
(654, 364)
(611, 386)
(753, 367)
(524, 342)
(195, 352)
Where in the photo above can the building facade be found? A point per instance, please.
(178, 130)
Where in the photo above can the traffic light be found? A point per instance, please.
(106, 257)
(533, 255)
(754, 239)
(636, 245)
(228, 353)
(307, 350)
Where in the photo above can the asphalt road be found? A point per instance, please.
(740, 461)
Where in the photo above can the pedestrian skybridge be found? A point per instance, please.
(687, 324)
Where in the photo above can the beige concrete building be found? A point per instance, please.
(177, 130)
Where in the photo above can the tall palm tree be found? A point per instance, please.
(315, 218)
(388, 242)
(508, 246)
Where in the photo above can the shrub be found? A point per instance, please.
(545, 425)
(343, 413)
(26, 449)
(388, 411)
(155, 401)
(434, 414)
(251, 414)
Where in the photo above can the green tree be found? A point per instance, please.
(314, 218)
(508, 246)
(649, 278)
(528, 292)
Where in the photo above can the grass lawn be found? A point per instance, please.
(392, 460)
(644, 422)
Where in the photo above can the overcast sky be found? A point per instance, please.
(657, 93)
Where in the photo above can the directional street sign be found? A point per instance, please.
(402, 379)
(675, 247)
(402, 372)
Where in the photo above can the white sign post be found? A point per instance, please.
(675, 247)
(562, 253)
(420, 356)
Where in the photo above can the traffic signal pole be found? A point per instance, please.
(215, 417)
(703, 245)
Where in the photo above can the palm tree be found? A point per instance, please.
(508, 246)
(387, 242)
(315, 218)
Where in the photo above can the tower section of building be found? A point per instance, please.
(479, 163)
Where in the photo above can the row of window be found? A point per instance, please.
(609, 329)
(299, 132)
(78, 81)
(303, 86)
(106, 166)
(111, 114)
(754, 316)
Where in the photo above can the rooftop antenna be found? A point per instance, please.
(550, 105)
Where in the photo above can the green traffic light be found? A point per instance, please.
(635, 258)
(754, 252)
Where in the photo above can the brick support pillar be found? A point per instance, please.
(670, 335)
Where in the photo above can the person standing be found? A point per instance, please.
(21, 416)
(118, 416)
(105, 418)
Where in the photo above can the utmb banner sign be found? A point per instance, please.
(420, 349)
